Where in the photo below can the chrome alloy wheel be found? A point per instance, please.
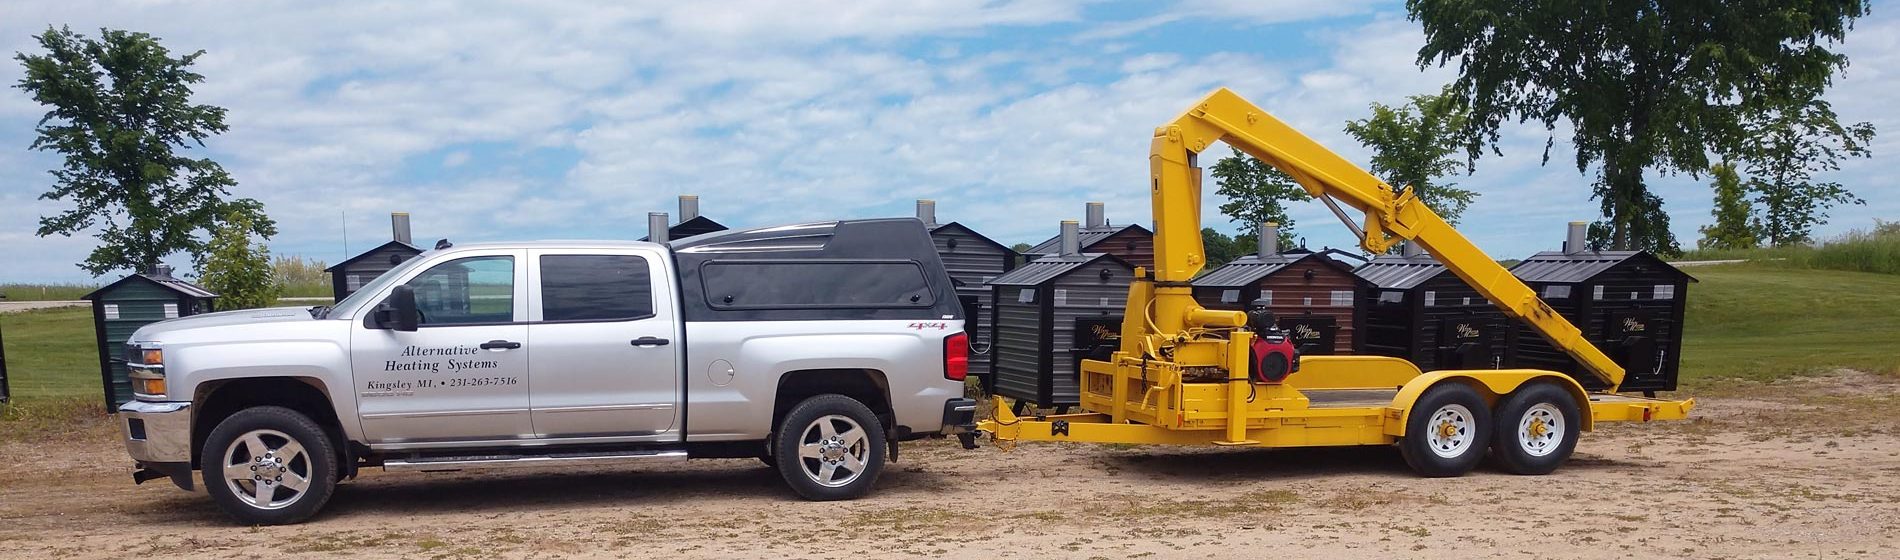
(833, 450)
(1541, 430)
(267, 469)
(1451, 430)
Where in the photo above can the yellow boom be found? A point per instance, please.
(1391, 214)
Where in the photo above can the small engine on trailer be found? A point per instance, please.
(1273, 356)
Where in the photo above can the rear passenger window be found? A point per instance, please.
(815, 284)
(595, 288)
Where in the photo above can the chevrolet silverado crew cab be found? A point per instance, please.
(814, 347)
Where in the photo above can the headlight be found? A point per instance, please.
(146, 369)
(148, 383)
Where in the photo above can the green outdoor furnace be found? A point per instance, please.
(120, 308)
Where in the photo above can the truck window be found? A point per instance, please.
(813, 283)
(595, 288)
(467, 291)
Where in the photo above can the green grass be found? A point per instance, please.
(51, 353)
(1759, 322)
(307, 290)
(45, 292)
(1876, 250)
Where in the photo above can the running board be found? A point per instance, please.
(543, 460)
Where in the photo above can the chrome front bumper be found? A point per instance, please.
(156, 432)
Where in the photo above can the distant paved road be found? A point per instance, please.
(1707, 263)
(13, 306)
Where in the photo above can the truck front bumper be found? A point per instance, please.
(158, 437)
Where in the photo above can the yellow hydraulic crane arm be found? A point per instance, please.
(1390, 215)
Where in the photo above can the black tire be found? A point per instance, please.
(802, 426)
(1533, 407)
(274, 428)
(769, 460)
(1463, 425)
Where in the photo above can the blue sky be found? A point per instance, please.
(490, 121)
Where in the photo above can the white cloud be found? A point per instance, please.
(1238, 12)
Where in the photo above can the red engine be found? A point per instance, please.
(1273, 357)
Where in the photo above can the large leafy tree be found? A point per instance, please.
(1256, 192)
(1785, 147)
(121, 114)
(1734, 226)
(1415, 144)
(1643, 84)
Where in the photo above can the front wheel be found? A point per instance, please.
(1537, 428)
(269, 465)
(829, 447)
(1447, 431)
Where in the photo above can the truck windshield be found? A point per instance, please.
(361, 296)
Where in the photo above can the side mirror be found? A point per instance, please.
(399, 311)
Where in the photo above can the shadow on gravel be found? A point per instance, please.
(1318, 462)
(529, 491)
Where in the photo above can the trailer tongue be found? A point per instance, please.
(1189, 375)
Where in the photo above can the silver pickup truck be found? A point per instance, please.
(814, 347)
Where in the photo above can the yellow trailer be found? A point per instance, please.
(1181, 375)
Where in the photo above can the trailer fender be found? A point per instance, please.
(1493, 384)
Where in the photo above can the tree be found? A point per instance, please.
(238, 270)
(1648, 227)
(1734, 226)
(1413, 144)
(1222, 249)
(1785, 147)
(121, 113)
(1643, 84)
(1256, 192)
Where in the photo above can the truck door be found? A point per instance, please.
(462, 375)
(606, 344)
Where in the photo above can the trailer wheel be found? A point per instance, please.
(269, 465)
(1537, 428)
(1448, 431)
(830, 447)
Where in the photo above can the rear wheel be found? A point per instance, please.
(269, 465)
(829, 447)
(1448, 431)
(1536, 429)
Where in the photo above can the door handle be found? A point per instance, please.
(500, 345)
(650, 341)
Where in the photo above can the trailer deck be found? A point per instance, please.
(1349, 416)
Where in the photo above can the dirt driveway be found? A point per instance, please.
(1807, 468)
